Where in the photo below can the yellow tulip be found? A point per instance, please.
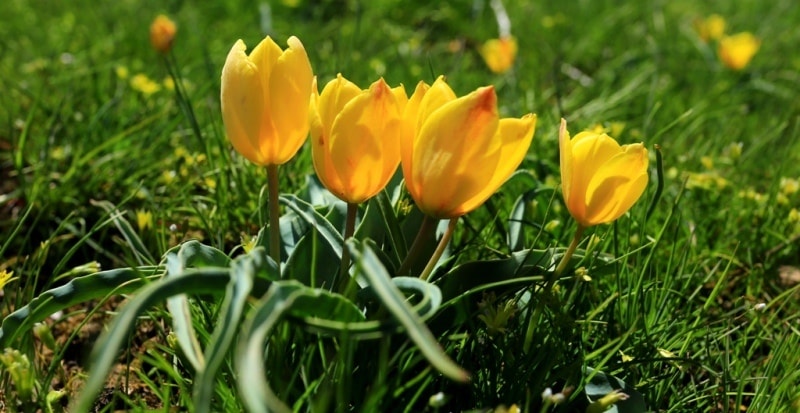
(499, 54)
(355, 137)
(456, 152)
(737, 50)
(600, 179)
(265, 100)
(162, 33)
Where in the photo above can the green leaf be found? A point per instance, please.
(317, 221)
(178, 307)
(208, 280)
(256, 393)
(370, 267)
(194, 254)
(243, 272)
(78, 290)
(600, 384)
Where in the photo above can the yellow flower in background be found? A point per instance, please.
(143, 84)
(737, 50)
(789, 186)
(162, 33)
(456, 152)
(121, 72)
(5, 278)
(710, 28)
(600, 179)
(144, 219)
(265, 100)
(499, 54)
(356, 137)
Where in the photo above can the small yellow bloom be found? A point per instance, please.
(142, 83)
(737, 50)
(789, 186)
(356, 137)
(144, 219)
(456, 152)
(707, 162)
(499, 54)
(265, 100)
(162, 33)
(600, 179)
(168, 83)
(710, 28)
(5, 278)
(794, 216)
(122, 72)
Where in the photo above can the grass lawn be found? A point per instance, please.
(141, 268)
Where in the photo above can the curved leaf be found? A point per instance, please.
(78, 290)
(205, 281)
(370, 266)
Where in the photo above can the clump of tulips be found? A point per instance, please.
(455, 152)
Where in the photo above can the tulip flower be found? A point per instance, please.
(265, 100)
(356, 137)
(737, 50)
(499, 54)
(265, 108)
(162, 33)
(600, 179)
(456, 152)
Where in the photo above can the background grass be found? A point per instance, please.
(677, 317)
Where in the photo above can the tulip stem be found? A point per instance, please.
(544, 293)
(345, 281)
(439, 249)
(274, 215)
(428, 225)
(576, 239)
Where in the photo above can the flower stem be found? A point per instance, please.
(576, 239)
(345, 280)
(274, 215)
(439, 250)
(544, 293)
(425, 229)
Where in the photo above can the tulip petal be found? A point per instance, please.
(410, 115)
(365, 142)
(242, 109)
(450, 138)
(320, 155)
(289, 92)
(593, 150)
(616, 185)
(516, 136)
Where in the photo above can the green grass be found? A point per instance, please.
(692, 305)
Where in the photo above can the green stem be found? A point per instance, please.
(425, 230)
(545, 292)
(576, 239)
(345, 280)
(439, 250)
(274, 215)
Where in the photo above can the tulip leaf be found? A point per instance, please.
(313, 262)
(517, 221)
(80, 289)
(316, 220)
(208, 280)
(283, 299)
(243, 273)
(600, 384)
(369, 266)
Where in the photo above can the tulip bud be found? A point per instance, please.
(162, 33)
